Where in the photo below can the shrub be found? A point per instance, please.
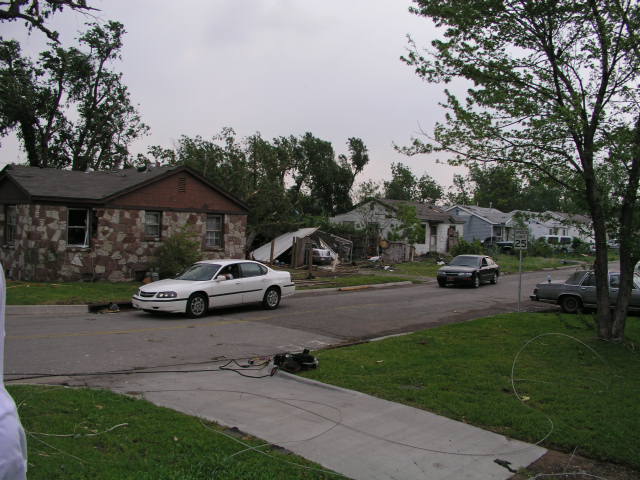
(467, 248)
(176, 253)
(540, 248)
(580, 246)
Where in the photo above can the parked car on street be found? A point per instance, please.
(215, 283)
(504, 246)
(469, 270)
(579, 291)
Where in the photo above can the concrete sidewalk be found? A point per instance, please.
(357, 435)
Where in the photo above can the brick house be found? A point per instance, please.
(63, 225)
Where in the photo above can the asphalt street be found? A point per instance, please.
(133, 340)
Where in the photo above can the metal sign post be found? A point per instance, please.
(521, 235)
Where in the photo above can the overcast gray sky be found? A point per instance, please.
(280, 67)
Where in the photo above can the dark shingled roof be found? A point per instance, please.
(78, 185)
(424, 211)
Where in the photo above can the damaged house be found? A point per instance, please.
(380, 217)
(293, 248)
(64, 225)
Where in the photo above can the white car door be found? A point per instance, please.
(254, 282)
(226, 288)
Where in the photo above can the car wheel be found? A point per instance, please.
(271, 298)
(197, 305)
(494, 278)
(476, 280)
(570, 304)
(442, 283)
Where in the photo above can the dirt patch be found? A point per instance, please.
(564, 466)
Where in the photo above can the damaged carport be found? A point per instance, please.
(294, 248)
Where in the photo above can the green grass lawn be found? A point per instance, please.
(68, 438)
(424, 268)
(463, 371)
(354, 280)
(69, 293)
(509, 263)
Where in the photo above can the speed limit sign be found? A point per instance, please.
(520, 237)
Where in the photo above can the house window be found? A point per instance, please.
(152, 224)
(349, 223)
(78, 227)
(11, 214)
(213, 236)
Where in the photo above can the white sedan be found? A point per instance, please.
(215, 283)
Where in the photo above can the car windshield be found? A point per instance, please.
(199, 272)
(575, 278)
(465, 261)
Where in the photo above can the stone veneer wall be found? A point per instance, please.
(118, 250)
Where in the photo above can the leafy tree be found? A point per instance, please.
(410, 227)
(368, 190)
(458, 193)
(402, 185)
(554, 93)
(322, 185)
(405, 186)
(35, 13)
(69, 107)
(285, 181)
(496, 186)
(428, 190)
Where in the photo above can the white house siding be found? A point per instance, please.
(441, 238)
(553, 226)
(364, 214)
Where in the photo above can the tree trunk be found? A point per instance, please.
(29, 136)
(624, 295)
(601, 264)
(628, 254)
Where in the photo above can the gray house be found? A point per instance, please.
(481, 222)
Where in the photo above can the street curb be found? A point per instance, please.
(326, 291)
(53, 309)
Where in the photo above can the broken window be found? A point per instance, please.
(152, 224)
(78, 227)
(11, 214)
(213, 235)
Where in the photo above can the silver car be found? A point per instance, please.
(579, 291)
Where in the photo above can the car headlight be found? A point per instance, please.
(442, 274)
(166, 295)
(465, 274)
